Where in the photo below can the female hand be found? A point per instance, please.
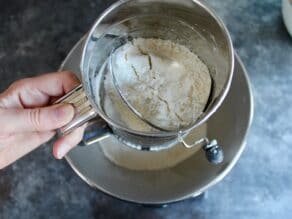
(28, 119)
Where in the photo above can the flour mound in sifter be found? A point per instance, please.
(164, 81)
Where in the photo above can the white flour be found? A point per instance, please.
(133, 159)
(173, 89)
(167, 83)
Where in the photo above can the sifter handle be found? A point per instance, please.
(84, 111)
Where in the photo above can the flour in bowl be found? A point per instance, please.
(133, 159)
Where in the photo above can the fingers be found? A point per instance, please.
(52, 84)
(56, 84)
(38, 119)
(37, 91)
(64, 144)
(16, 146)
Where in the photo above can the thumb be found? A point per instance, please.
(37, 119)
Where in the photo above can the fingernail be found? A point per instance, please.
(64, 112)
(63, 149)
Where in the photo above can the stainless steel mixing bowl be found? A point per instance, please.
(193, 176)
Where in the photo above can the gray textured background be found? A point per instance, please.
(35, 36)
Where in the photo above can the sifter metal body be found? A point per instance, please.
(188, 22)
